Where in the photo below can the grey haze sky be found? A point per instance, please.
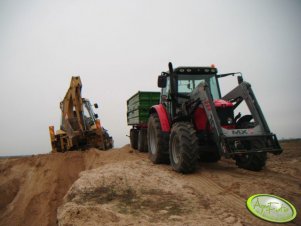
(119, 47)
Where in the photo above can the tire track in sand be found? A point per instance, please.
(228, 207)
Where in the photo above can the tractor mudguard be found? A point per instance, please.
(162, 113)
(200, 119)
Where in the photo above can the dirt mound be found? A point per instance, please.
(122, 187)
(31, 188)
(135, 192)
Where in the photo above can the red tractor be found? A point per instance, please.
(193, 122)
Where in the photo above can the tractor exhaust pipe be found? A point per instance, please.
(170, 67)
(173, 88)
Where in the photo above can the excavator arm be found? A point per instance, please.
(72, 108)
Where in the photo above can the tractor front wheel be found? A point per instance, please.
(183, 147)
(252, 161)
(212, 156)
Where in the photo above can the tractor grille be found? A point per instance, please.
(226, 115)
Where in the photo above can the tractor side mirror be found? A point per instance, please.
(96, 115)
(96, 105)
(239, 79)
(162, 81)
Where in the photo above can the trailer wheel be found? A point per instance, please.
(142, 140)
(134, 138)
(157, 141)
(183, 147)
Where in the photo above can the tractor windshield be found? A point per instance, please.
(187, 83)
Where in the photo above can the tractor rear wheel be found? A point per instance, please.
(142, 140)
(183, 147)
(157, 141)
(134, 138)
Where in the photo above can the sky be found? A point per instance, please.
(119, 47)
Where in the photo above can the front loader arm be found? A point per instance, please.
(226, 139)
(245, 92)
(202, 93)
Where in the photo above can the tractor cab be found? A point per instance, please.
(184, 80)
(178, 87)
(189, 78)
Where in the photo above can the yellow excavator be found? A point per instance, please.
(80, 127)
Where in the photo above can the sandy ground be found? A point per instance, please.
(122, 187)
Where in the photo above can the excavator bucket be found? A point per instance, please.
(52, 138)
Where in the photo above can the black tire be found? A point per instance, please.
(134, 138)
(157, 141)
(142, 140)
(252, 161)
(183, 147)
(108, 141)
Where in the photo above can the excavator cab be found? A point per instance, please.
(89, 116)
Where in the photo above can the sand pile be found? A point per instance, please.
(31, 188)
(122, 187)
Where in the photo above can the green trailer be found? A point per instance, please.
(137, 116)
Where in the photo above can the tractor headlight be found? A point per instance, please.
(229, 120)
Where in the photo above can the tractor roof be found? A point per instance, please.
(195, 70)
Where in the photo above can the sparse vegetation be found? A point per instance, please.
(127, 200)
